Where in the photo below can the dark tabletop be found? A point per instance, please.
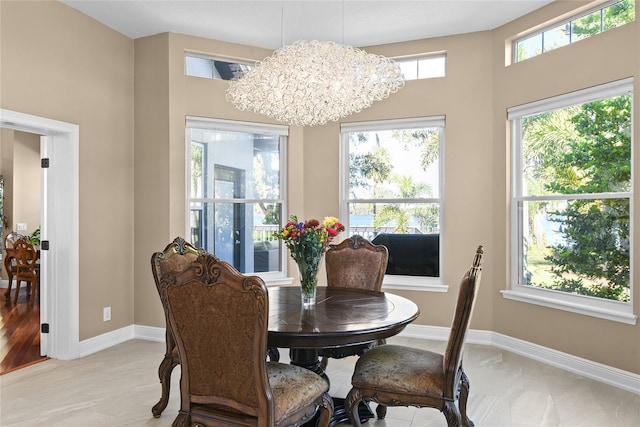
(340, 317)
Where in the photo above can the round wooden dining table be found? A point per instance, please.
(341, 317)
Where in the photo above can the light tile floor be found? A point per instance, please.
(118, 387)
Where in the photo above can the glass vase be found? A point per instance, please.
(308, 271)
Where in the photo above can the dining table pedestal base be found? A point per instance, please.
(308, 358)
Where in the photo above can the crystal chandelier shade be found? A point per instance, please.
(312, 83)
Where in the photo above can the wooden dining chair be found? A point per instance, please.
(395, 375)
(10, 258)
(26, 257)
(218, 318)
(174, 258)
(354, 263)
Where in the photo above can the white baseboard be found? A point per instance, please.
(104, 341)
(149, 333)
(597, 371)
(606, 374)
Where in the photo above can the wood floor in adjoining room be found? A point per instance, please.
(19, 331)
(119, 385)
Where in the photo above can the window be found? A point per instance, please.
(392, 194)
(613, 14)
(213, 68)
(423, 67)
(236, 192)
(572, 199)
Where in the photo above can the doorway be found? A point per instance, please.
(21, 216)
(59, 297)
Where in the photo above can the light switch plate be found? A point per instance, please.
(21, 226)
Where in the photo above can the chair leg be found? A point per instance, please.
(35, 288)
(273, 354)
(7, 268)
(324, 361)
(164, 373)
(7, 294)
(182, 420)
(462, 401)
(381, 411)
(351, 403)
(326, 411)
(15, 299)
(452, 414)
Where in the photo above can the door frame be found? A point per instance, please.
(60, 265)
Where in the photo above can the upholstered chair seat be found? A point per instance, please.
(292, 386)
(407, 370)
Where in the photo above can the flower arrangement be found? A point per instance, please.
(307, 242)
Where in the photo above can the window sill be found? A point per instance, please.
(275, 279)
(405, 283)
(414, 283)
(609, 310)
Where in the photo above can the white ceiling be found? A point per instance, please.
(267, 23)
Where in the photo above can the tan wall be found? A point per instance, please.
(6, 170)
(26, 181)
(60, 64)
(87, 62)
(21, 173)
(609, 56)
(153, 174)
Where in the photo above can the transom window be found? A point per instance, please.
(423, 67)
(213, 68)
(236, 192)
(610, 15)
(572, 198)
(392, 194)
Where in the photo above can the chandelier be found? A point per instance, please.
(311, 83)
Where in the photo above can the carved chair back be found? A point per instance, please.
(219, 319)
(9, 243)
(452, 361)
(175, 257)
(356, 263)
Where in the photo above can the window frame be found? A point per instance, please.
(213, 60)
(567, 21)
(402, 282)
(273, 277)
(591, 306)
(417, 58)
